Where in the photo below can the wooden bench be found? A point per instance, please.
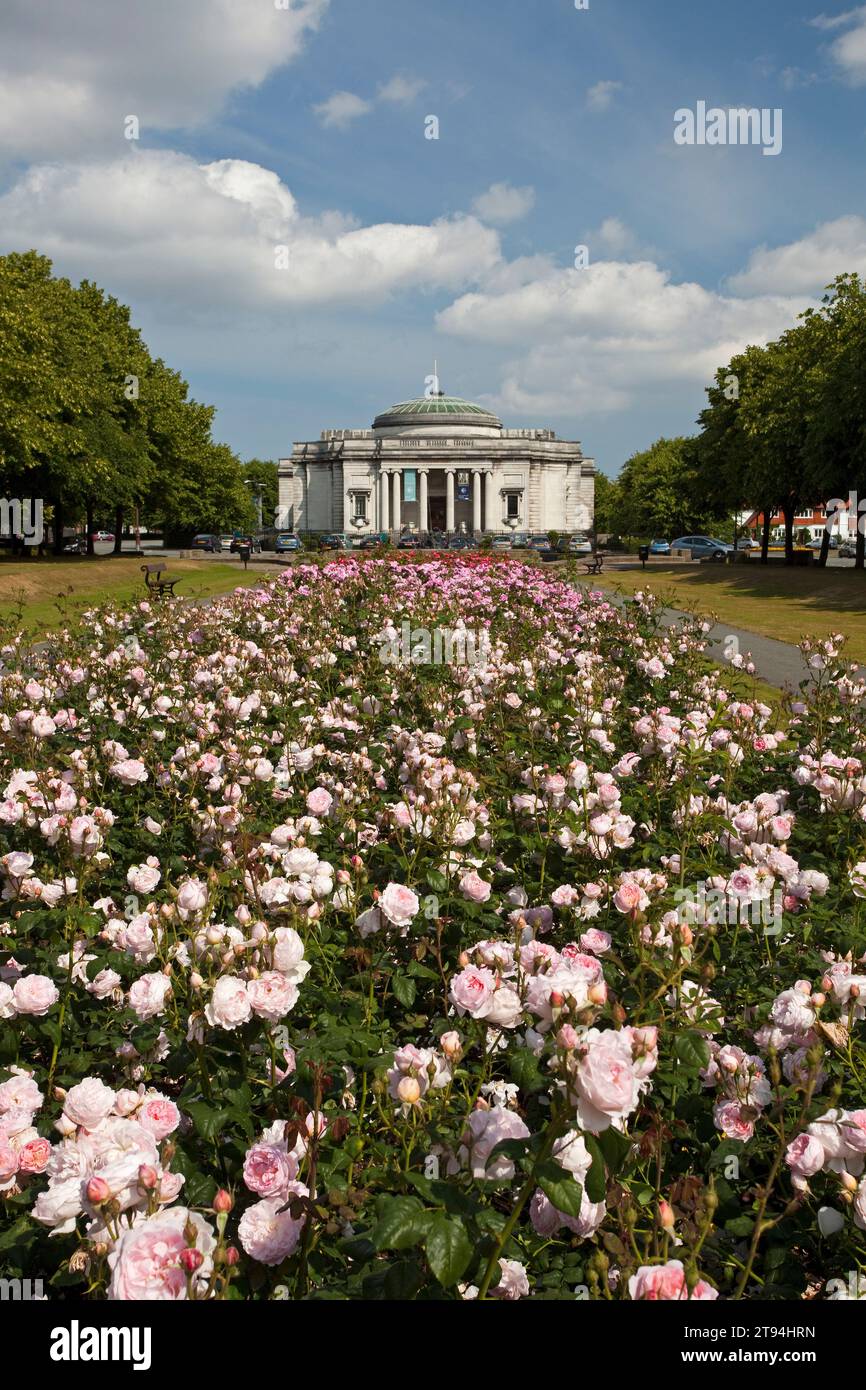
(594, 564)
(155, 584)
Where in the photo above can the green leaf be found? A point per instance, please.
(560, 1188)
(403, 1222)
(404, 990)
(616, 1148)
(526, 1073)
(207, 1120)
(596, 1181)
(448, 1248)
(692, 1052)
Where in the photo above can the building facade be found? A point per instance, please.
(436, 464)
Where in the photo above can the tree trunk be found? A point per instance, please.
(765, 538)
(825, 547)
(118, 530)
(89, 526)
(788, 513)
(860, 550)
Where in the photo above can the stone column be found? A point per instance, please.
(384, 510)
(423, 520)
(449, 499)
(492, 521)
(476, 501)
(395, 519)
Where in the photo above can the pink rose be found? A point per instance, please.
(319, 802)
(130, 771)
(472, 991)
(191, 897)
(272, 996)
(159, 1116)
(146, 1261)
(230, 1004)
(148, 995)
(628, 897)
(8, 1161)
(268, 1170)
(88, 1103)
(143, 878)
(34, 1155)
(34, 994)
(487, 1128)
(805, 1156)
(268, 1231)
(733, 1120)
(665, 1282)
(595, 941)
(606, 1081)
(399, 905)
(474, 888)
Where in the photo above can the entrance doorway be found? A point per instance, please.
(437, 513)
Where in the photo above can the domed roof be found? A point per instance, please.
(438, 409)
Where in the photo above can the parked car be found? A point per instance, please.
(226, 542)
(818, 541)
(76, 546)
(287, 541)
(660, 547)
(520, 540)
(500, 543)
(253, 542)
(460, 543)
(102, 536)
(747, 543)
(575, 545)
(539, 542)
(408, 543)
(334, 542)
(207, 542)
(847, 550)
(702, 547)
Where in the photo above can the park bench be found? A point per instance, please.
(154, 582)
(594, 564)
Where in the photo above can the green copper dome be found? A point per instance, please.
(436, 410)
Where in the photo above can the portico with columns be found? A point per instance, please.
(436, 464)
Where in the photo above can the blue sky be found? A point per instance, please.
(305, 128)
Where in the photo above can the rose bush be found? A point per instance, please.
(327, 976)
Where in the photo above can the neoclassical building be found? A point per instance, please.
(437, 464)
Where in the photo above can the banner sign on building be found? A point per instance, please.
(409, 476)
(463, 492)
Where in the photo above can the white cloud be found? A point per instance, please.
(160, 227)
(341, 109)
(808, 265)
(70, 73)
(848, 51)
(615, 334)
(503, 203)
(600, 97)
(402, 90)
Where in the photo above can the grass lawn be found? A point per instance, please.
(48, 593)
(789, 604)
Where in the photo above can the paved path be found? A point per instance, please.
(777, 663)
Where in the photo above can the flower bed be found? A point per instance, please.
(422, 930)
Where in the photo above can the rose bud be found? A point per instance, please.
(597, 993)
(566, 1038)
(819, 1000)
(666, 1216)
(147, 1177)
(409, 1091)
(451, 1045)
(243, 915)
(213, 936)
(191, 1260)
(223, 1201)
(463, 959)
(854, 991)
(848, 1182)
(196, 981)
(230, 1255)
(686, 935)
(98, 1191)
(556, 999)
